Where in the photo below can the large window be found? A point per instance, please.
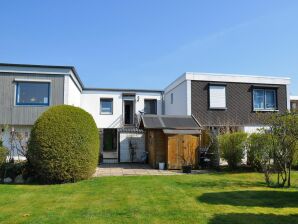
(264, 99)
(33, 93)
(217, 97)
(150, 107)
(106, 106)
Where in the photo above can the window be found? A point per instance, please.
(150, 106)
(106, 106)
(217, 97)
(264, 99)
(33, 93)
(172, 98)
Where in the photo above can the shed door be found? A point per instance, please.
(179, 147)
(173, 152)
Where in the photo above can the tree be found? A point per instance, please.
(284, 136)
(275, 147)
(260, 153)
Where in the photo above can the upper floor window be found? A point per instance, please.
(106, 106)
(293, 106)
(150, 106)
(33, 93)
(217, 97)
(264, 99)
(172, 98)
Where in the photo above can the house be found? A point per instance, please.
(26, 91)
(294, 103)
(220, 101)
(214, 101)
(117, 114)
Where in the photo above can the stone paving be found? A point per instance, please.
(131, 169)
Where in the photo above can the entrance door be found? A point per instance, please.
(109, 151)
(128, 112)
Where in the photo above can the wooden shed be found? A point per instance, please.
(171, 139)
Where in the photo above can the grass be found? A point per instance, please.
(206, 198)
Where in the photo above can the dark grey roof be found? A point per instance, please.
(48, 66)
(181, 132)
(170, 122)
(131, 130)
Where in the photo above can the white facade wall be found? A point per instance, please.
(90, 101)
(181, 97)
(252, 129)
(72, 94)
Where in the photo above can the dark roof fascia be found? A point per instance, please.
(48, 66)
(265, 86)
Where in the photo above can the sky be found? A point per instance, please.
(149, 43)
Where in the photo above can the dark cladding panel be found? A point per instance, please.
(239, 102)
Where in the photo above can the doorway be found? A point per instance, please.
(110, 149)
(128, 112)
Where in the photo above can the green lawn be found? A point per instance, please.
(206, 198)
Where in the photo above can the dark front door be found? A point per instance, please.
(128, 112)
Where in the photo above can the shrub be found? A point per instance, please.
(259, 145)
(64, 145)
(232, 146)
(295, 161)
(3, 153)
(13, 169)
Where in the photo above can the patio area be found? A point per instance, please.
(132, 169)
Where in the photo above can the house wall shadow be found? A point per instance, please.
(244, 218)
(273, 199)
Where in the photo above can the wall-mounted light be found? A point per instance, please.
(138, 98)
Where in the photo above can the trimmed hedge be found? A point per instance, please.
(64, 145)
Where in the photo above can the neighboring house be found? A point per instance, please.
(214, 101)
(294, 103)
(26, 91)
(117, 115)
(220, 100)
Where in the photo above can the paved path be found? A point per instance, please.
(135, 170)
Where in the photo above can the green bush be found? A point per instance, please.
(13, 169)
(295, 160)
(259, 147)
(232, 146)
(64, 145)
(3, 153)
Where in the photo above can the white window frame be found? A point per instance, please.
(220, 107)
(106, 113)
(264, 96)
(152, 100)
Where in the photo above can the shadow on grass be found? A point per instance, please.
(235, 218)
(274, 199)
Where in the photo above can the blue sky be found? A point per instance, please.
(147, 44)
